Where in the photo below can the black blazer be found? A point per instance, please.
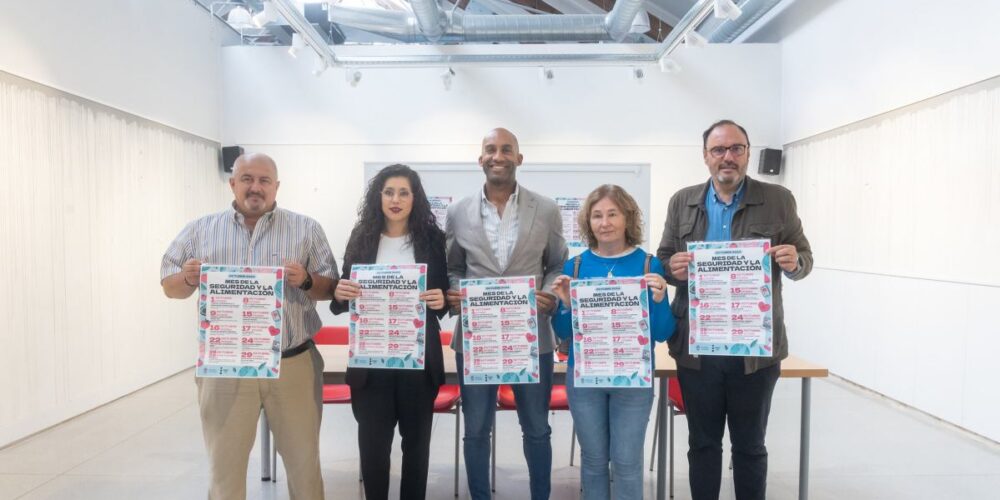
(437, 277)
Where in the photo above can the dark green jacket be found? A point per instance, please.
(767, 211)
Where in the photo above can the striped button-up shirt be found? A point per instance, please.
(500, 231)
(279, 236)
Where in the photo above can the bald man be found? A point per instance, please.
(523, 233)
(255, 232)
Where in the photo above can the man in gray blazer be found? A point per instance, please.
(506, 230)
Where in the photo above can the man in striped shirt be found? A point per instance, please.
(255, 232)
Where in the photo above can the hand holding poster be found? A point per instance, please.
(388, 320)
(239, 311)
(729, 298)
(611, 338)
(500, 331)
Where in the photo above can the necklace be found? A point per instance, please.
(612, 268)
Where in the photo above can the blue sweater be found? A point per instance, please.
(594, 266)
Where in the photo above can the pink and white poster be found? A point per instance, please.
(611, 338)
(388, 320)
(500, 331)
(729, 298)
(240, 321)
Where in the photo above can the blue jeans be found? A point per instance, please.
(611, 426)
(479, 405)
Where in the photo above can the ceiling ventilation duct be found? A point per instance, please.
(430, 17)
(394, 23)
(531, 28)
(430, 23)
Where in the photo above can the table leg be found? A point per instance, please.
(265, 449)
(804, 440)
(661, 455)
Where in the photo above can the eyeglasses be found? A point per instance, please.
(736, 149)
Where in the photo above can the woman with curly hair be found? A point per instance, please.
(396, 226)
(611, 421)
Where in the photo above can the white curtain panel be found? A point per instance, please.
(89, 199)
(912, 193)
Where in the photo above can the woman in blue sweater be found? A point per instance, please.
(610, 421)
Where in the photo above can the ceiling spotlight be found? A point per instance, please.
(668, 65)
(319, 66)
(693, 39)
(638, 73)
(546, 73)
(446, 77)
(266, 15)
(239, 18)
(640, 23)
(726, 9)
(298, 43)
(353, 76)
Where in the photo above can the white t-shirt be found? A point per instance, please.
(398, 250)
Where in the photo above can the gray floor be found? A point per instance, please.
(148, 446)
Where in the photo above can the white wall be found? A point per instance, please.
(322, 131)
(157, 59)
(900, 207)
(858, 58)
(92, 195)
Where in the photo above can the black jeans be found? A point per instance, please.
(392, 397)
(719, 390)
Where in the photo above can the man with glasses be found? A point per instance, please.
(730, 206)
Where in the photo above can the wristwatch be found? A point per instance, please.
(307, 284)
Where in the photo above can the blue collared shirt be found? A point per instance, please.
(720, 215)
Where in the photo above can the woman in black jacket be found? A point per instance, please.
(396, 226)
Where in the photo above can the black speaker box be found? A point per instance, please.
(229, 156)
(770, 162)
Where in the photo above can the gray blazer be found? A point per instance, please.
(540, 250)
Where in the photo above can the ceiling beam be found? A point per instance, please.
(501, 7)
(576, 6)
(661, 12)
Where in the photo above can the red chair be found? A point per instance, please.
(675, 406)
(334, 394)
(506, 402)
(449, 400)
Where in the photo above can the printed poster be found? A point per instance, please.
(569, 208)
(439, 207)
(500, 331)
(388, 320)
(240, 313)
(729, 291)
(611, 337)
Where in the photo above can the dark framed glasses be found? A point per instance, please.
(736, 149)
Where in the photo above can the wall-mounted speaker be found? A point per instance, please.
(229, 156)
(770, 162)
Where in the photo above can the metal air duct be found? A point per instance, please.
(614, 26)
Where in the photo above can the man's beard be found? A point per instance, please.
(720, 175)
